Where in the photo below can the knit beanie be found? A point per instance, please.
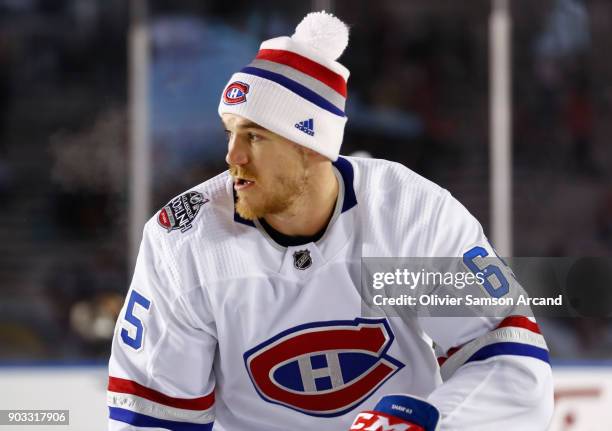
(294, 87)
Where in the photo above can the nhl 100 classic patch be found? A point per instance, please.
(235, 93)
(180, 211)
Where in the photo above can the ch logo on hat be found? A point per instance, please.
(235, 93)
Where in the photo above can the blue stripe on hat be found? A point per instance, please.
(296, 87)
(140, 420)
(516, 349)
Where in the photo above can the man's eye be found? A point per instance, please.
(228, 135)
(253, 137)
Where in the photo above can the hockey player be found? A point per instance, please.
(244, 311)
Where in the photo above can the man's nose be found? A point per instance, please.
(236, 153)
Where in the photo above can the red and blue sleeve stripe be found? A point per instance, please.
(144, 421)
(514, 336)
(137, 405)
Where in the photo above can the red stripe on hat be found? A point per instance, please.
(124, 386)
(305, 65)
(520, 322)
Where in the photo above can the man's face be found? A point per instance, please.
(269, 171)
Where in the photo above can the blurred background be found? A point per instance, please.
(89, 86)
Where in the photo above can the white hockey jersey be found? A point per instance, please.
(224, 329)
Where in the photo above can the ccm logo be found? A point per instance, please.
(376, 421)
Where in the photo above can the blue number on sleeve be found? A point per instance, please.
(488, 272)
(135, 298)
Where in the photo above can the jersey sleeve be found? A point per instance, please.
(161, 364)
(495, 369)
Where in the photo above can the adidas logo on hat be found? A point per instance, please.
(306, 126)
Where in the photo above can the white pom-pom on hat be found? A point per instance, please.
(323, 32)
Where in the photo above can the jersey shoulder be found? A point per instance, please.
(195, 230)
(380, 181)
(201, 208)
(404, 210)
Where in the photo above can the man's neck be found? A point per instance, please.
(311, 212)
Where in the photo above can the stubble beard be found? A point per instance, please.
(287, 191)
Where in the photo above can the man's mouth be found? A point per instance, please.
(242, 184)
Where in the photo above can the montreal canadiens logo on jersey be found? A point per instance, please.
(323, 368)
(235, 93)
(180, 211)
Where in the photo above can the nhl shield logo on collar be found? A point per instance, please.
(302, 259)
